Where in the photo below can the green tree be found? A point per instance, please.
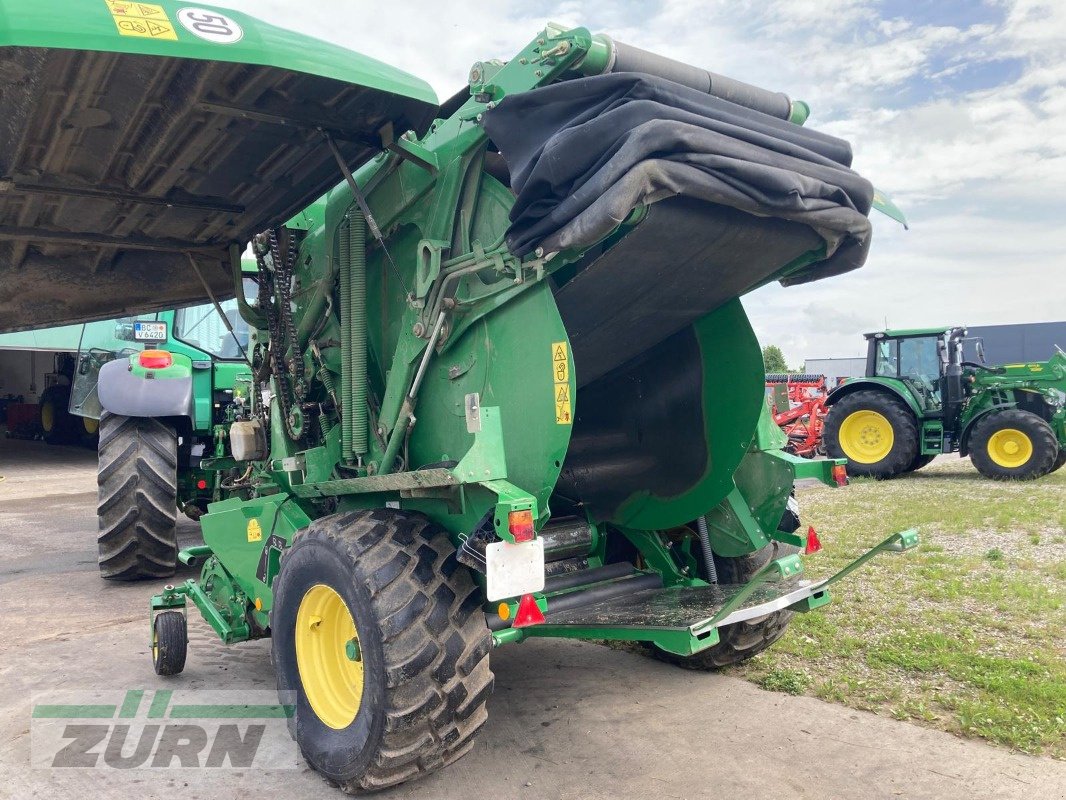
(773, 360)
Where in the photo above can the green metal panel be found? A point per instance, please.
(239, 534)
(63, 339)
(733, 399)
(119, 27)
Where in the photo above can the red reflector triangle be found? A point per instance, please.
(528, 613)
(814, 544)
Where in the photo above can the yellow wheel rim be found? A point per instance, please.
(866, 437)
(91, 425)
(48, 416)
(1010, 448)
(328, 656)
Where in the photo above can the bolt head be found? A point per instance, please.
(352, 650)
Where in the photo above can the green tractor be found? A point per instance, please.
(159, 413)
(505, 388)
(920, 399)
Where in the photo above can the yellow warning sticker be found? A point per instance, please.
(141, 19)
(561, 375)
(255, 531)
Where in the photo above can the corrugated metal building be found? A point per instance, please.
(836, 368)
(1008, 344)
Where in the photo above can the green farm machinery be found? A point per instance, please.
(501, 387)
(160, 412)
(920, 398)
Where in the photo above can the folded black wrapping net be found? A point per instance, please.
(584, 153)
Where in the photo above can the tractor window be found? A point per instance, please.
(886, 365)
(919, 358)
(201, 326)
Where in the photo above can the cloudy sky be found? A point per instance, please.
(955, 108)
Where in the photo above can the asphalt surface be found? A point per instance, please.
(568, 720)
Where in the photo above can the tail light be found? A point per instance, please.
(155, 359)
(520, 525)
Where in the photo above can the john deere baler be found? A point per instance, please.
(503, 386)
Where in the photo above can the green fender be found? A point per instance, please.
(895, 387)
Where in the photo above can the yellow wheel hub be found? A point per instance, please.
(1010, 448)
(48, 416)
(91, 425)
(866, 437)
(328, 656)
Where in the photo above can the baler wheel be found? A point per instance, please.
(1013, 445)
(378, 630)
(170, 642)
(138, 490)
(874, 431)
(740, 641)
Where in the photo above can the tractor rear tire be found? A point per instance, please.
(409, 693)
(57, 425)
(878, 429)
(742, 640)
(921, 461)
(138, 491)
(1013, 445)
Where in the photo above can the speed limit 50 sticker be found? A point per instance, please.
(210, 25)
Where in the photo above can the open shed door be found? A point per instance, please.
(133, 134)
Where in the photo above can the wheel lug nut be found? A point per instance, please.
(352, 650)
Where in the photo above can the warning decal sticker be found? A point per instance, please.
(255, 531)
(561, 374)
(141, 19)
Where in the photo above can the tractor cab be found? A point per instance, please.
(927, 360)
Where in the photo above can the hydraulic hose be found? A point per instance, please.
(705, 546)
(345, 258)
(357, 344)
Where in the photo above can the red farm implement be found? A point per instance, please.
(799, 409)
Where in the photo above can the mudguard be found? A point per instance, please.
(858, 384)
(123, 391)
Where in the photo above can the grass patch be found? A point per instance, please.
(967, 633)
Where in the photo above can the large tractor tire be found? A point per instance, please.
(1013, 445)
(921, 461)
(875, 432)
(57, 425)
(138, 499)
(743, 640)
(378, 631)
(1060, 460)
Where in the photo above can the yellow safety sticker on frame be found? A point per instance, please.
(141, 19)
(255, 531)
(561, 375)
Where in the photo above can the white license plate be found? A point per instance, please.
(513, 570)
(149, 331)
